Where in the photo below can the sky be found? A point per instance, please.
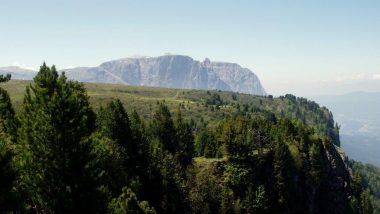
(305, 47)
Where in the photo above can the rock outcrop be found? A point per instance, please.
(172, 71)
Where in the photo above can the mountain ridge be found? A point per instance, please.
(170, 71)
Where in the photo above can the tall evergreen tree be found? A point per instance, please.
(55, 121)
(185, 139)
(8, 173)
(282, 167)
(113, 122)
(8, 125)
(142, 153)
(163, 129)
(7, 114)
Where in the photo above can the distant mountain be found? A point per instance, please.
(172, 71)
(18, 73)
(358, 114)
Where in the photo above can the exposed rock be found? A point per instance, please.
(172, 71)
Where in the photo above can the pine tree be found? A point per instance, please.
(139, 138)
(185, 138)
(113, 122)
(316, 164)
(282, 173)
(143, 155)
(8, 198)
(163, 129)
(55, 121)
(8, 174)
(7, 114)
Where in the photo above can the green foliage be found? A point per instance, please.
(5, 78)
(185, 137)
(282, 171)
(8, 120)
(113, 122)
(366, 204)
(163, 129)
(55, 120)
(367, 177)
(260, 154)
(255, 201)
(207, 145)
(8, 198)
(107, 164)
(215, 99)
(143, 98)
(316, 164)
(205, 186)
(127, 203)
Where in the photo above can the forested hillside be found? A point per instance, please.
(73, 148)
(369, 178)
(202, 108)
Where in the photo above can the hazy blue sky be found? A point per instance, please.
(300, 47)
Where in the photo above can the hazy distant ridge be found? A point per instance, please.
(18, 73)
(171, 71)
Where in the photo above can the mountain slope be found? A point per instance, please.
(172, 71)
(169, 71)
(18, 73)
(315, 173)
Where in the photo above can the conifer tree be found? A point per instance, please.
(8, 173)
(8, 125)
(55, 121)
(143, 155)
(185, 138)
(163, 129)
(113, 122)
(282, 167)
(7, 114)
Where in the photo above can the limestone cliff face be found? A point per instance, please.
(172, 71)
(238, 78)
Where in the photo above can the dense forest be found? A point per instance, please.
(216, 152)
(369, 178)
